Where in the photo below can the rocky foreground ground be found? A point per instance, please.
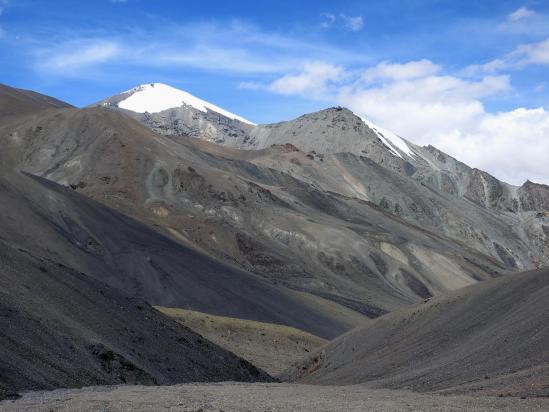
(230, 396)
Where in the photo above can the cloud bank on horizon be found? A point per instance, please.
(470, 83)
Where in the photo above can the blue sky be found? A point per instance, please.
(468, 76)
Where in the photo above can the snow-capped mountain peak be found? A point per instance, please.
(157, 97)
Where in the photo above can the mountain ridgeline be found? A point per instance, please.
(421, 185)
(327, 204)
(155, 197)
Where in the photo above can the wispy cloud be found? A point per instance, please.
(533, 53)
(78, 54)
(520, 14)
(329, 20)
(540, 87)
(3, 5)
(233, 48)
(525, 21)
(352, 23)
(522, 56)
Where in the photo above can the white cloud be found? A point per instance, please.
(353, 23)
(410, 70)
(520, 14)
(315, 79)
(492, 66)
(511, 145)
(523, 55)
(533, 53)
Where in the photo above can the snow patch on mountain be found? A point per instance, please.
(157, 97)
(389, 139)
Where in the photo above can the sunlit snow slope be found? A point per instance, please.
(157, 97)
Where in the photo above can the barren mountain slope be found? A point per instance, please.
(61, 328)
(334, 246)
(420, 184)
(490, 337)
(428, 187)
(18, 101)
(56, 223)
(517, 238)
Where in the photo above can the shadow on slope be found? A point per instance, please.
(61, 328)
(490, 337)
(59, 224)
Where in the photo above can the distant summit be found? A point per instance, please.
(158, 97)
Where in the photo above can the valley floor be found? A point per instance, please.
(230, 396)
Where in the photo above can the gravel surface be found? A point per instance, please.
(232, 396)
